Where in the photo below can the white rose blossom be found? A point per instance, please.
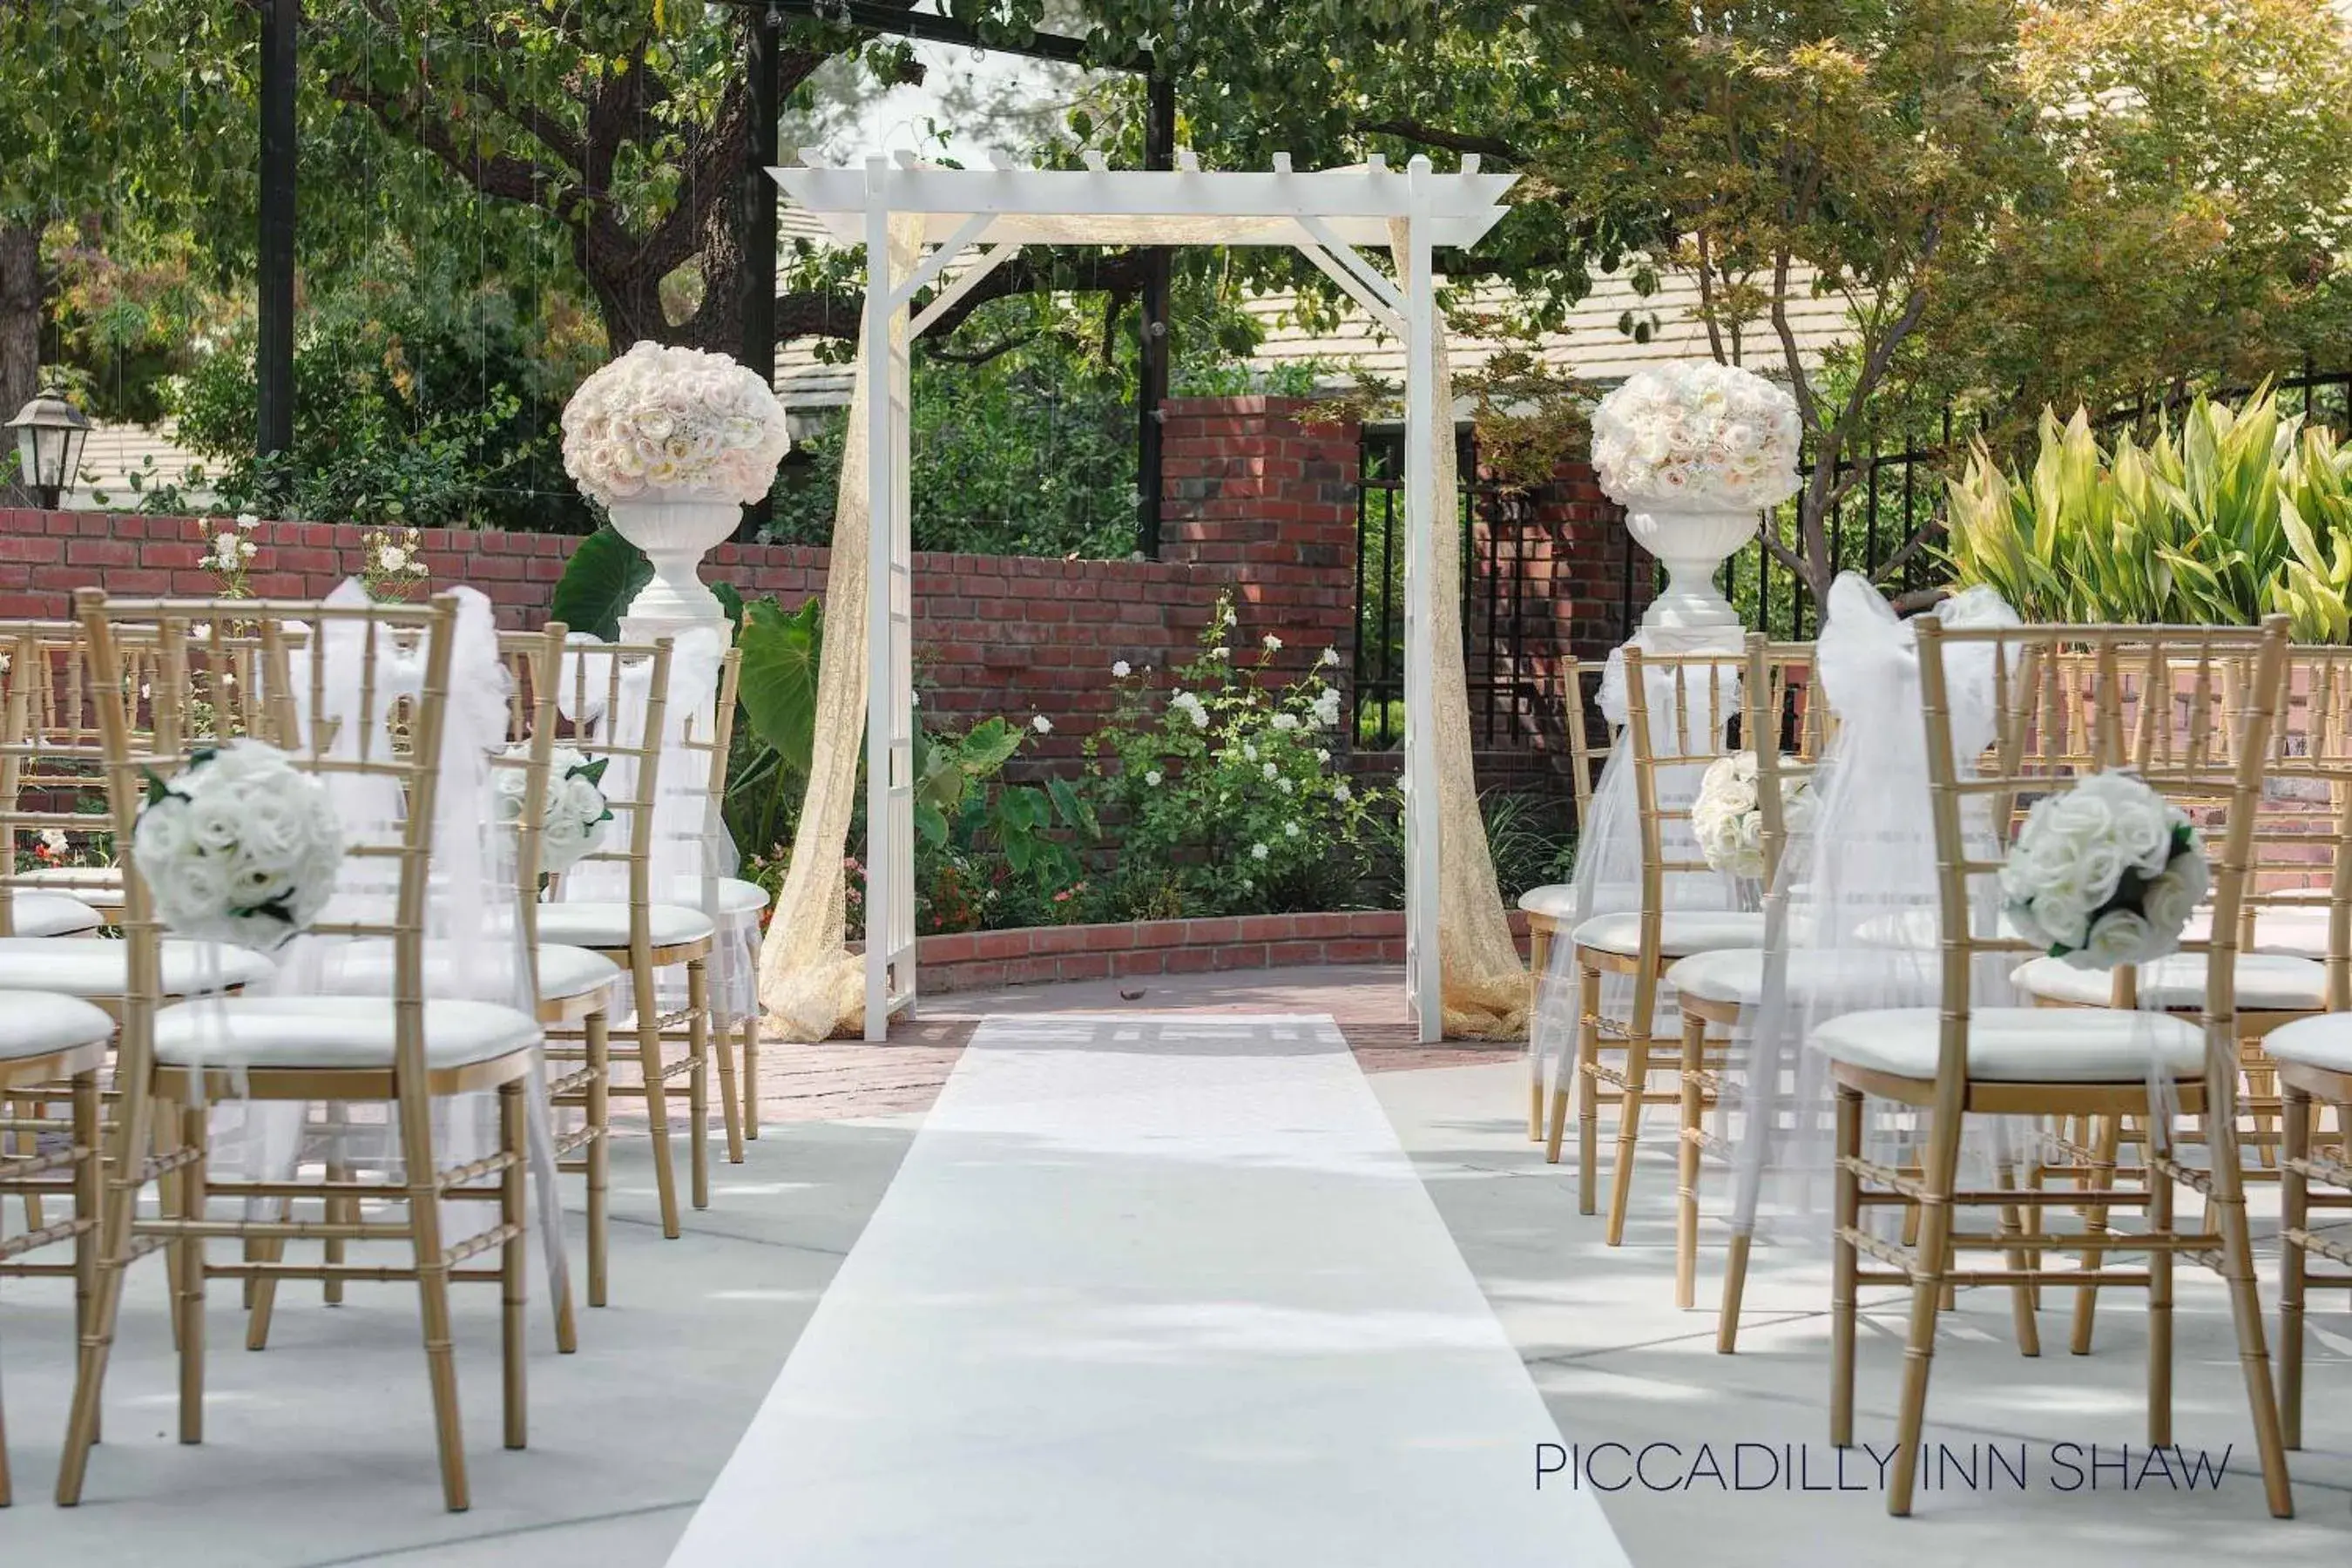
(572, 816)
(2106, 872)
(1152, 778)
(1697, 432)
(663, 418)
(241, 847)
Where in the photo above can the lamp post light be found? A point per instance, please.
(49, 436)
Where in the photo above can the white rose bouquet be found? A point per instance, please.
(1728, 817)
(1696, 433)
(572, 819)
(2105, 873)
(674, 419)
(241, 846)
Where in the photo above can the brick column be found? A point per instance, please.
(1267, 502)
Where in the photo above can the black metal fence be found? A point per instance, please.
(1505, 604)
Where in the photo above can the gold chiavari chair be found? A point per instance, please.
(408, 1048)
(573, 985)
(1548, 906)
(1712, 988)
(46, 1040)
(1695, 699)
(1943, 1064)
(730, 901)
(638, 931)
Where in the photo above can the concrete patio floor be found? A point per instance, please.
(318, 1450)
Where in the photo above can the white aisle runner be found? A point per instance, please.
(1151, 1291)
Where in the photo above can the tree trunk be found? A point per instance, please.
(20, 335)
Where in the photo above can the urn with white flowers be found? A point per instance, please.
(1694, 451)
(675, 443)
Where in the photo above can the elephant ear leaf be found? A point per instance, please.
(777, 687)
(604, 573)
(731, 602)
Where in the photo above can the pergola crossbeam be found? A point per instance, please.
(994, 256)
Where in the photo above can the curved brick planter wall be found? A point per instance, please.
(979, 961)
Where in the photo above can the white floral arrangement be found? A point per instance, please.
(663, 419)
(1697, 433)
(241, 846)
(2106, 873)
(1728, 817)
(572, 822)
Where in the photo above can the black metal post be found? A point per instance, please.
(274, 356)
(1151, 390)
(757, 276)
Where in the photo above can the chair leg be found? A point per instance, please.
(123, 1185)
(2094, 1223)
(2294, 1214)
(1735, 1286)
(1538, 958)
(698, 1079)
(599, 1151)
(1629, 1107)
(730, 1106)
(2020, 1297)
(88, 1196)
(2160, 1310)
(191, 1251)
(1846, 1266)
(751, 1073)
(649, 1059)
(1688, 1131)
(338, 1209)
(514, 1270)
(432, 1304)
(1568, 1078)
(167, 1195)
(2229, 1207)
(1930, 1267)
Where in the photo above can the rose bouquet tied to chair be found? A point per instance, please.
(2106, 873)
(240, 847)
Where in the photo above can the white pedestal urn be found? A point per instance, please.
(674, 529)
(1694, 451)
(675, 443)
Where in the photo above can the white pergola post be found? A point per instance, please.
(1327, 215)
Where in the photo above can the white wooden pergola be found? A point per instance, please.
(1327, 215)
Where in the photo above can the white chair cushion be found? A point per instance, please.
(1553, 901)
(2267, 982)
(592, 923)
(1681, 931)
(2324, 1041)
(1736, 975)
(2019, 1045)
(738, 897)
(365, 968)
(332, 1032)
(567, 972)
(35, 1023)
(101, 966)
(50, 914)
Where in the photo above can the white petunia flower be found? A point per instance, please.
(1119, 670)
(1272, 643)
(1043, 725)
(247, 520)
(1342, 793)
(248, 549)
(1329, 656)
(1322, 755)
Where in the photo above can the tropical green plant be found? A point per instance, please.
(990, 853)
(2235, 515)
(1224, 788)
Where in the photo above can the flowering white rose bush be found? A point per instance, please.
(659, 419)
(1224, 790)
(2105, 873)
(1728, 817)
(572, 819)
(1696, 433)
(241, 846)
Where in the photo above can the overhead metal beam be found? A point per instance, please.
(1152, 360)
(274, 350)
(932, 27)
(756, 279)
